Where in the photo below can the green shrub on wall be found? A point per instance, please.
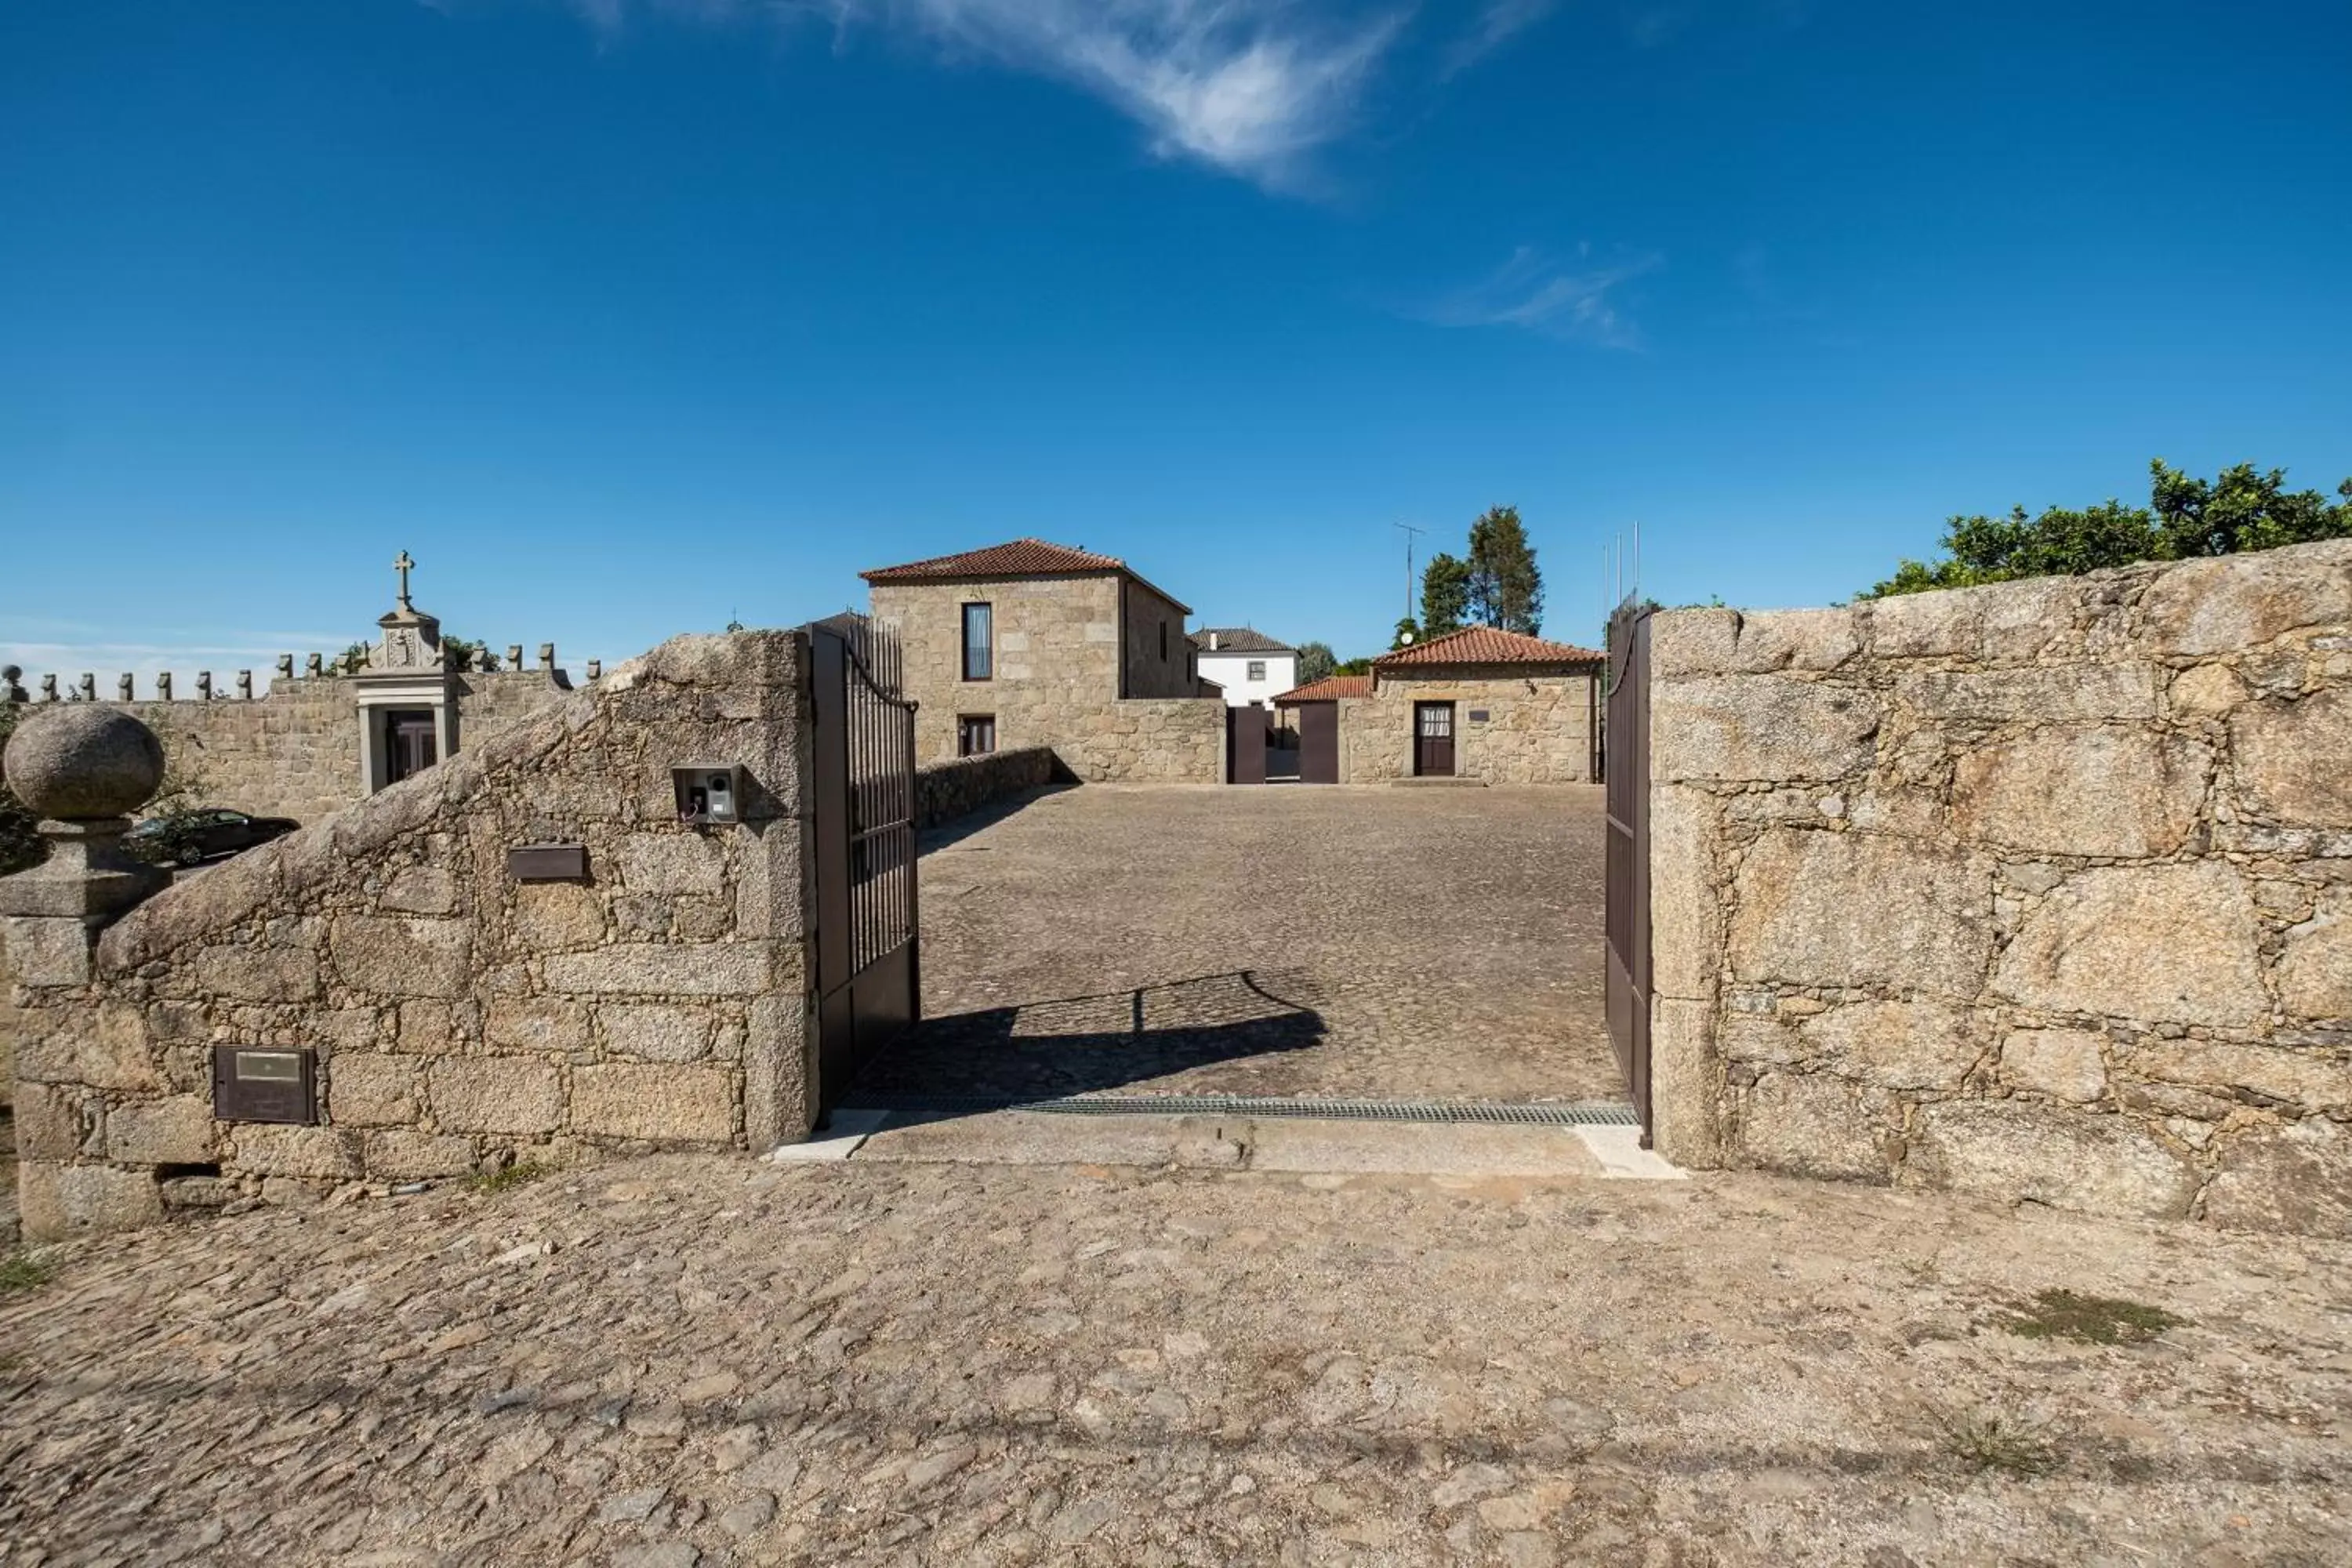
(2186, 519)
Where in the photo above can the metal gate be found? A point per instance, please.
(868, 939)
(1245, 745)
(1627, 901)
(1319, 742)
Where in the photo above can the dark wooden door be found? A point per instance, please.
(1626, 894)
(1319, 742)
(1433, 740)
(411, 748)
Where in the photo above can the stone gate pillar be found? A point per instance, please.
(83, 769)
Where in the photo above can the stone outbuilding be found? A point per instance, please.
(1480, 703)
(1031, 643)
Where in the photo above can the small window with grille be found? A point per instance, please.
(975, 734)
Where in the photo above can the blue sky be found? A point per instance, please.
(623, 316)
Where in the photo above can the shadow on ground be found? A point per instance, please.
(963, 827)
(1081, 1044)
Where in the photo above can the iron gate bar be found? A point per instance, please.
(1490, 1113)
(867, 919)
(1626, 893)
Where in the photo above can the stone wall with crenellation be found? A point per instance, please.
(294, 751)
(2040, 891)
(461, 1019)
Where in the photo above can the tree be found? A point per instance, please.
(1444, 594)
(1408, 632)
(465, 656)
(1505, 587)
(1315, 660)
(1354, 666)
(2188, 518)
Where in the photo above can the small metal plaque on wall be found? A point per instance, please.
(548, 863)
(265, 1083)
(1477, 715)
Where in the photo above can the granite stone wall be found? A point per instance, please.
(294, 752)
(1538, 727)
(2040, 891)
(946, 791)
(1173, 739)
(488, 700)
(461, 1019)
(1159, 653)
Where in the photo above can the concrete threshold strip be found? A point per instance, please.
(1236, 1132)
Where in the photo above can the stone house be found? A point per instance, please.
(1479, 703)
(1031, 643)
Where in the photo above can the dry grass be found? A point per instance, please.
(515, 1175)
(1983, 1441)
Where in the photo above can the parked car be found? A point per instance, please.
(191, 838)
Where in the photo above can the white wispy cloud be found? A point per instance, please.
(1535, 293)
(1498, 24)
(1252, 87)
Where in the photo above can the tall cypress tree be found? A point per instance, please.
(1504, 586)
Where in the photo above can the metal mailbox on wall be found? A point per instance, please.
(265, 1083)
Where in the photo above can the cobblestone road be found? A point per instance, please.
(1374, 942)
(687, 1363)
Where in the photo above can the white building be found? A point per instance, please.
(1252, 666)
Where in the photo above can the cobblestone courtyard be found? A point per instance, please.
(1374, 942)
(690, 1361)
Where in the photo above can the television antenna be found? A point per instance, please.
(1410, 532)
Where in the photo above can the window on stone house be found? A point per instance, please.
(978, 643)
(1257, 670)
(975, 734)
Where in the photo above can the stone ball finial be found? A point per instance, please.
(84, 762)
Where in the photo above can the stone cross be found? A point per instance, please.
(404, 565)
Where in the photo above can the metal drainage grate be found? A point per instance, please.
(1474, 1112)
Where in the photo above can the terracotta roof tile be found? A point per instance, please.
(1329, 687)
(1237, 639)
(1488, 645)
(1021, 558)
